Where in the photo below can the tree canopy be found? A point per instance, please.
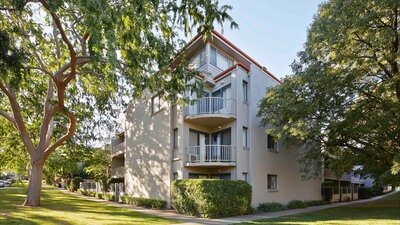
(344, 96)
(64, 60)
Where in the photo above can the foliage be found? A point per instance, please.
(315, 203)
(80, 58)
(270, 207)
(109, 197)
(144, 202)
(98, 163)
(211, 198)
(62, 208)
(99, 195)
(75, 183)
(343, 98)
(295, 204)
(364, 193)
(383, 211)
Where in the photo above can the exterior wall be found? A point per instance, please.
(151, 162)
(148, 151)
(283, 163)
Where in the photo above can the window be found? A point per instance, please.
(198, 60)
(246, 177)
(219, 60)
(155, 104)
(272, 145)
(245, 95)
(245, 138)
(272, 182)
(176, 176)
(175, 138)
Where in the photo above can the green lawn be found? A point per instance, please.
(384, 211)
(60, 208)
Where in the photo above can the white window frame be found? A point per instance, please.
(198, 57)
(175, 138)
(275, 185)
(245, 137)
(275, 143)
(221, 54)
(246, 176)
(245, 87)
(154, 103)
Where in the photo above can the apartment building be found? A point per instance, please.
(218, 136)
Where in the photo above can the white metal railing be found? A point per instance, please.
(210, 153)
(212, 105)
(118, 171)
(331, 175)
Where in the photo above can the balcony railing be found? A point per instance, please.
(212, 105)
(329, 174)
(118, 171)
(117, 149)
(211, 154)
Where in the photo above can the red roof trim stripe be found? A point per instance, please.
(245, 55)
(225, 72)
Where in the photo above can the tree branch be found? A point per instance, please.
(9, 117)
(18, 117)
(48, 112)
(67, 136)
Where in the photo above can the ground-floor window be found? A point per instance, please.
(272, 182)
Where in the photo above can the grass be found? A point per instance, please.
(60, 208)
(384, 211)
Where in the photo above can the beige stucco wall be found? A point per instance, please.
(283, 163)
(148, 151)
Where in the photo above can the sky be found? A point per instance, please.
(271, 31)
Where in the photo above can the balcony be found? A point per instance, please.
(211, 111)
(118, 171)
(211, 156)
(117, 149)
(329, 174)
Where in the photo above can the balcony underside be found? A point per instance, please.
(210, 164)
(210, 120)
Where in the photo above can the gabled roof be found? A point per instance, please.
(198, 37)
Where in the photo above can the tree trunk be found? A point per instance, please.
(35, 185)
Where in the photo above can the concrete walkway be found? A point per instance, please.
(190, 220)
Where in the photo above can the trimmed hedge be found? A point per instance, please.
(315, 203)
(295, 204)
(270, 207)
(99, 195)
(211, 198)
(109, 197)
(144, 202)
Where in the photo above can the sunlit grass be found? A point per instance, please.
(59, 208)
(385, 211)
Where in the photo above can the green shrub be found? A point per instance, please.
(364, 193)
(315, 203)
(75, 183)
(295, 204)
(124, 199)
(109, 197)
(144, 202)
(211, 198)
(270, 207)
(99, 195)
(82, 192)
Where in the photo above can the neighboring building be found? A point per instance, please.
(219, 136)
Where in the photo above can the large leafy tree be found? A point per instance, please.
(344, 96)
(61, 58)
